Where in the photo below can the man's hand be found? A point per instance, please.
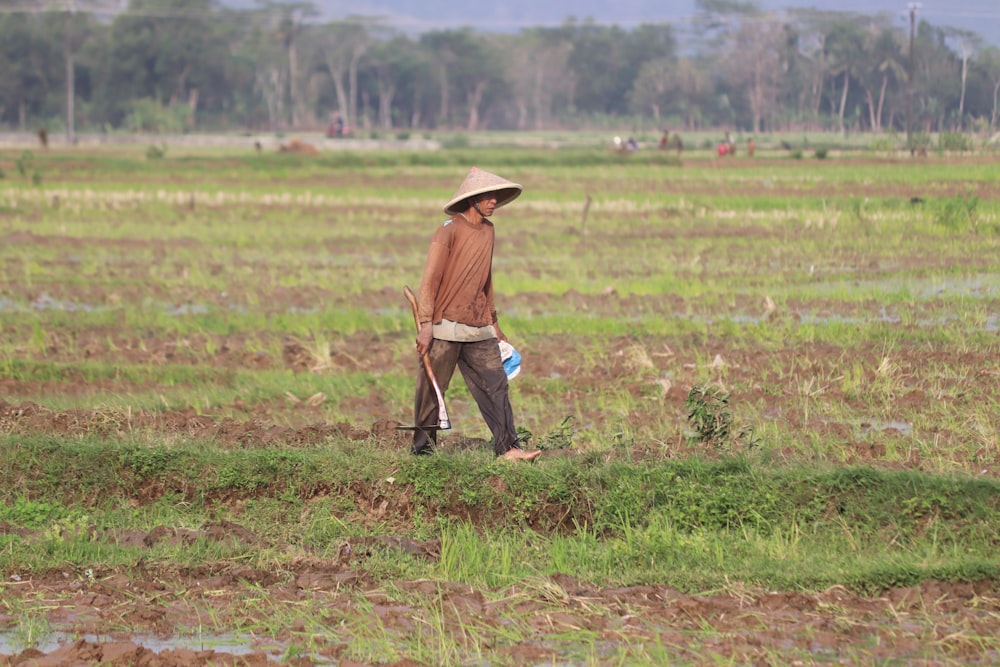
(425, 338)
(500, 335)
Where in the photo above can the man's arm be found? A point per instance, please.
(437, 259)
(488, 289)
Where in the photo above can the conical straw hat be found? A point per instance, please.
(480, 182)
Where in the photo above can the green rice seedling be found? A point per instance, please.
(445, 639)
(959, 211)
(365, 634)
(32, 628)
(465, 557)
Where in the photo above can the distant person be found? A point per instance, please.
(751, 146)
(632, 144)
(336, 128)
(665, 140)
(730, 145)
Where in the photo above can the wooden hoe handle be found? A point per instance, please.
(444, 422)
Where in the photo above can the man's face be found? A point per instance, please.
(487, 203)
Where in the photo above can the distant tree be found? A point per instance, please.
(937, 78)
(466, 64)
(988, 62)
(666, 87)
(716, 23)
(813, 28)
(650, 41)
(965, 42)
(538, 71)
(267, 58)
(602, 70)
(884, 64)
(714, 19)
(444, 53)
(756, 50)
(479, 77)
(290, 18)
(653, 87)
(39, 45)
(794, 105)
(845, 51)
(390, 64)
(25, 70)
(693, 91)
(168, 51)
(652, 49)
(163, 60)
(342, 45)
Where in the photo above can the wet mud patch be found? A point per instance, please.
(935, 623)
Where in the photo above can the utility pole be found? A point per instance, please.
(70, 76)
(913, 6)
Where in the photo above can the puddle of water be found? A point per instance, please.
(883, 316)
(188, 309)
(225, 643)
(47, 302)
(983, 286)
(872, 426)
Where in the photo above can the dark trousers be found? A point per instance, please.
(483, 372)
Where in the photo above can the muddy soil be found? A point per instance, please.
(933, 624)
(936, 623)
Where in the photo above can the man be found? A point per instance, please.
(458, 320)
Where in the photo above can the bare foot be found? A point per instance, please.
(516, 454)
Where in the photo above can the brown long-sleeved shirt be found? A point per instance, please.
(458, 276)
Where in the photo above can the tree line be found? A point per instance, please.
(194, 65)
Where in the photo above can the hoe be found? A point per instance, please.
(444, 422)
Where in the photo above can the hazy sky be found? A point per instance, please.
(982, 16)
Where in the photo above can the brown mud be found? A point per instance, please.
(931, 624)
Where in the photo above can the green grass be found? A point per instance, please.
(691, 524)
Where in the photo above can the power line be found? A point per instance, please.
(913, 7)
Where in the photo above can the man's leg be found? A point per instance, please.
(482, 369)
(443, 355)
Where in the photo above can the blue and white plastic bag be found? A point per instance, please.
(511, 360)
